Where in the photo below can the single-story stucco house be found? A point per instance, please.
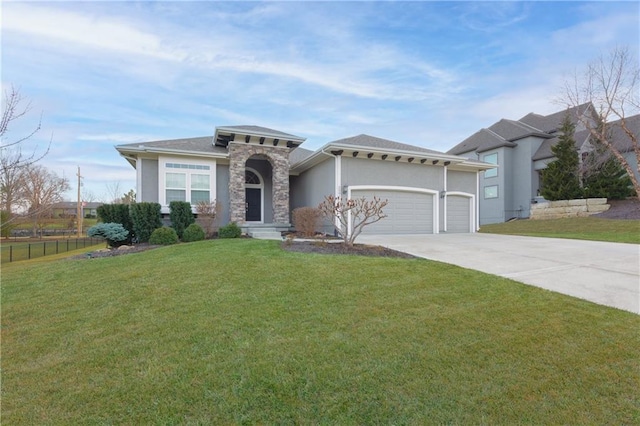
(259, 176)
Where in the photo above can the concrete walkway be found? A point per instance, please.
(603, 273)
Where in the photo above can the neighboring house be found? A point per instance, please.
(70, 209)
(521, 149)
(259, 175)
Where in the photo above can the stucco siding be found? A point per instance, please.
(492, 209)
(357, 171)
(310, 187)
(461, 181)
(222, 194)
(149, 180)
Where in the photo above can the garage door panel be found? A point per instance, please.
(407, 212)
(458, 214)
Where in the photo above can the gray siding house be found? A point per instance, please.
(521, 149)
(259, 176)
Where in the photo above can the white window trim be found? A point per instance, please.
(163, 170)
(432, 192)
(259, 186)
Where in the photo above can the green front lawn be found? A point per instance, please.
(239, 331)
(578, 228)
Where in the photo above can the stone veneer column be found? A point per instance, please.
(279, 158)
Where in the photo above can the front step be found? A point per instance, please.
(264, 233)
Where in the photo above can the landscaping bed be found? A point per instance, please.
(341, 248)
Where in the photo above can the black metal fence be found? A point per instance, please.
(16, 251)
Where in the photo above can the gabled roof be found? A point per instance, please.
(374, 142)
(482, 140)
(551, 123)
(545, 152)
(621, 139)
(371, 147)
(514, 130)
(202, 144)
(189, 146)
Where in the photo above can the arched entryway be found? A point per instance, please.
(274, 178)
(254, 196)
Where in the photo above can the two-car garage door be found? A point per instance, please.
(408, 212)
(412, 211)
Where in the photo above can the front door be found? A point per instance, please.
(253, 206)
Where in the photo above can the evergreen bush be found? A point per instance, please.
(231, 230)
(146, 218)
(117, 213)
(561, 178)
(181, 216)
(604, 176)
(164, 236)
(194, 232)
(115, 234)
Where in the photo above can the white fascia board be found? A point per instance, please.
(473, 165)
(143, 149)
(432, 155)
(250, 133)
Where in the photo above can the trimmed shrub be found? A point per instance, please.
(114, 233)
(117, 213)
(306, 220)
(146, 218)
(230, 231)
(164, 236)
(194, 232)
(181, 216)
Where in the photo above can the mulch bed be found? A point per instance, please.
(116, 251)
(341, 248)
(628, 209)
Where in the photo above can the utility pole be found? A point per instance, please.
(79, 206)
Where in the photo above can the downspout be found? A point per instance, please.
(337, 179)
(477, 206)
(444, 198)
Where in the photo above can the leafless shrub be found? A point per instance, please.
(306, 220)
(350, 216)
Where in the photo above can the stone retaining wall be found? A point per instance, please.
(568, 208)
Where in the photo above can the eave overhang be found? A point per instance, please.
(393, 155)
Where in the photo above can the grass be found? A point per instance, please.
(239, 331)
(578, 228)
(16, 250)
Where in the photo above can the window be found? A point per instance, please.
(187, 182)
(491, 159)
(176, 184)
(491, 191)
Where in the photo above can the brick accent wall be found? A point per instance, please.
(239, 153)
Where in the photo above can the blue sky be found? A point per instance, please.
(423, 73)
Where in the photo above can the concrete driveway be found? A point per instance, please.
(603, 273)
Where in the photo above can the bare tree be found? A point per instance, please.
(12, 158)
(113, 193)
(11, 180)
(349, 217)
(610, 84)
(42, 188)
